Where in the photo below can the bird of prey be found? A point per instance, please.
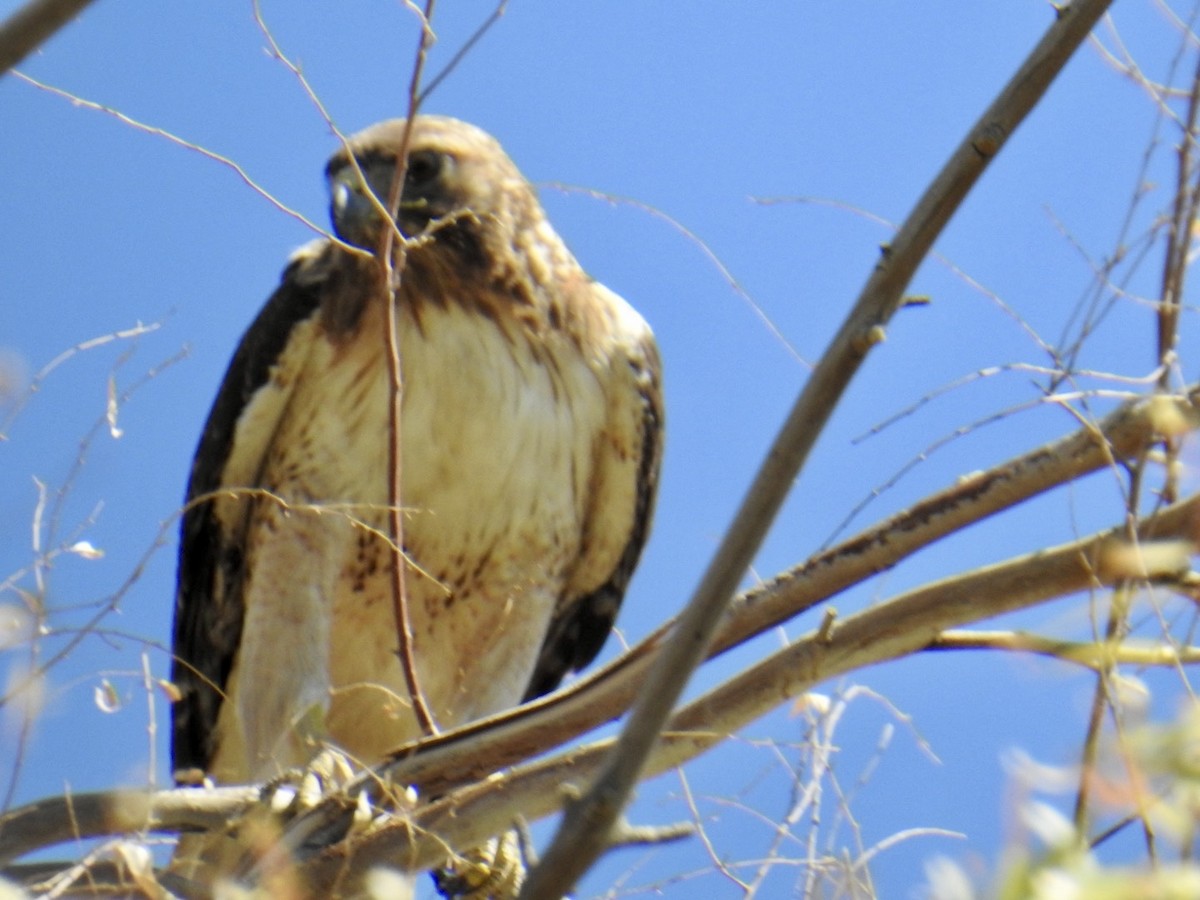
(530, 438)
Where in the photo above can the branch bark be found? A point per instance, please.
(583, 834)
(32, 25)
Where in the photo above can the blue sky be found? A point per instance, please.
(691, 113)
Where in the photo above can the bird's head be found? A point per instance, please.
(457, 176)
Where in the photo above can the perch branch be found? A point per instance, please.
(903, 625)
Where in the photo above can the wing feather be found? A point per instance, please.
(208, 603)
(625, 482)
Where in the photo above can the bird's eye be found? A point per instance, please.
(424, 167)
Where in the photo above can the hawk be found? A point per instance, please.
(530, 440)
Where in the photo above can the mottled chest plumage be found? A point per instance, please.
(497, 442)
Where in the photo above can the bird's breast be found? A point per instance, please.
(497, 435)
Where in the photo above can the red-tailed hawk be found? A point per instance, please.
(531, 437)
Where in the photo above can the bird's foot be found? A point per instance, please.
(492, 871)
(299, 790)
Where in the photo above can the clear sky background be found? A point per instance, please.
(693, 110)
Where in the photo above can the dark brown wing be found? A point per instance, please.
(623, 501)
(208, 603)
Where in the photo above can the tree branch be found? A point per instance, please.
(903, 625)
(32, 25)
(1090, 654)
(583, 834)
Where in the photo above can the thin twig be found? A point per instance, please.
(1090, 654)
(390, 288)
(389, 282)
(460, 55)
(1179, 235)
(700, 244)
(187, 145)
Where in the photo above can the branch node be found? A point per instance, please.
(873, 336)
(989, 140)
(825, 629)
(625, 834)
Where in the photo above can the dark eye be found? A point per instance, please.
(424, 167)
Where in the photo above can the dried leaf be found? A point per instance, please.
(817, 704)
(174, 695)
(86, 549)
(106, 697)
(111, 408)
(16, 625)
(27, 694)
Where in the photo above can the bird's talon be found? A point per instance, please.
(300, 790)
(492, 871)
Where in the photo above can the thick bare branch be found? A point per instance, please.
(1121, 435)
(584, 832)
(32, 25)
(74, 816)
